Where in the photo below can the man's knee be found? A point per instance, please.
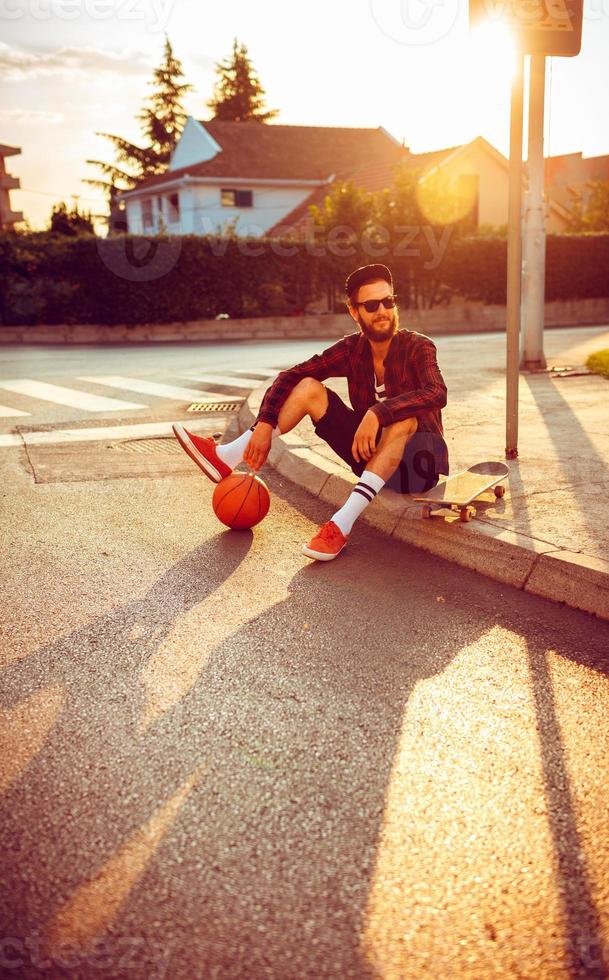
(308, 386)
(394, 438)
(407, 427)
(312, 392)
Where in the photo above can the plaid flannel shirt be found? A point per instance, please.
(413, 383)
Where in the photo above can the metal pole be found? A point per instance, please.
(532, 358)
(514, 260)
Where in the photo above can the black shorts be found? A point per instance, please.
(417, 470)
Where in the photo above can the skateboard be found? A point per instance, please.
(459, 491)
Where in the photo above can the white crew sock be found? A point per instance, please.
(363, 494)
(232, 452)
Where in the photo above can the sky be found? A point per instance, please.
(72, 68)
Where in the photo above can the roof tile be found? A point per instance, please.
(273, 152)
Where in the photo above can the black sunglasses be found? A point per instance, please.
(372, 305)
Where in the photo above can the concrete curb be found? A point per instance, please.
(539, 567)
(463, 318)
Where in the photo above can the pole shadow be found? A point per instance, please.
(585, 950)
(268, 867)
(50, 814)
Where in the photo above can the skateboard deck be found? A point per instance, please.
(459, 491)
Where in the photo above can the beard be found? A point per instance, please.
(382, 328)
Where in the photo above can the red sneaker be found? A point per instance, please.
(327, 543)
(203, 452)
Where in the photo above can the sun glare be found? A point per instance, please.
(493, 49)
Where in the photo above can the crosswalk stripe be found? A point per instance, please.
(139, 430)
(264, 372)
(65, 396)
(6, 412)
(225, 380)
(151, 387)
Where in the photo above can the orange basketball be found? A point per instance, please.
(241, 500)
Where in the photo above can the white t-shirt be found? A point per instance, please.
(379, 391)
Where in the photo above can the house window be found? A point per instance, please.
(173, 208)
(147, 214)
(236, 199)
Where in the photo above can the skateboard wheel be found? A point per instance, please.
(499, 491)
(466, 513)
(425, 510)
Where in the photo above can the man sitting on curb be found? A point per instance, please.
(392, 436)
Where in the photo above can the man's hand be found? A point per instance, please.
(364, 440)
(258, 446)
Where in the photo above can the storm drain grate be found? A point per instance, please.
(215, 406)
(161, 447)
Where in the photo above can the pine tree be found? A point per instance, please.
(238, 94)
(162, 120)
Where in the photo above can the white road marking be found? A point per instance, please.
(6, 412)
(140, 430)
(225, 380)
(152, 387)
(267, 372)
(65, 396)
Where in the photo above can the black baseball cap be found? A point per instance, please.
(367, 273)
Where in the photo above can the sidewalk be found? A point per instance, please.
(549, 535)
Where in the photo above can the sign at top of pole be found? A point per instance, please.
(550, 27)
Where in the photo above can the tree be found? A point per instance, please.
(590, 210)
(71, 221)
(408, 226)
(238, 94)
(162, 120)
(346, 208)
(398, 205)
(340, 225)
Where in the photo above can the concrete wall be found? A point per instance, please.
(491, 168)
(202, 213)
(270, 205)
(195, 145)
(475, 159)
(493, 186)
(467, 318)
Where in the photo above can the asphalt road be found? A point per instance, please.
(167, 363)
(45, 359)
(220, 760)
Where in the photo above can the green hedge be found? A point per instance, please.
(577, 267)
(128, 279)
(476, 269)
(146, 280)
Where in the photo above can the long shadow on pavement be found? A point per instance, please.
(570, 439)
(68, 810)
(268, 868)
(585, 952)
